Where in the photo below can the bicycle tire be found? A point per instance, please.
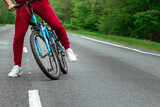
(61, 56)
(63, 63)
(47, 71)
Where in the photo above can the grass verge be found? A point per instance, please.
(1, 25)
(149, 45)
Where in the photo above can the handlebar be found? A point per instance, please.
(27, 3)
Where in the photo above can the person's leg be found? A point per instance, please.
(47, 13)
(21, 27)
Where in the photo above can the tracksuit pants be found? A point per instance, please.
(45, 11)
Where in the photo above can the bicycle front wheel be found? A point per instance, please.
(48, 62)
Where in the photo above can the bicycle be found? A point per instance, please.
(46, 48)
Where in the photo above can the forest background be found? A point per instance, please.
(138, 19)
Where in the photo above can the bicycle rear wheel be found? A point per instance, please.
(61, 55)
(63, 62)
(48, 62)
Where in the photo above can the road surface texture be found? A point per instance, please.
(103, 76)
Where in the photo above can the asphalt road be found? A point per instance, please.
(103, 76)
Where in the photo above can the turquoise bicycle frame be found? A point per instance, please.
(45, 33)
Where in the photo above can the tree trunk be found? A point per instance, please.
(155, 35)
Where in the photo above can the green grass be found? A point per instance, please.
(1, 25)
(122, 40)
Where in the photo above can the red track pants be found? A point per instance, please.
(45, 11)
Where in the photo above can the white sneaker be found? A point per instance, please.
(70, 55)
(16, 71)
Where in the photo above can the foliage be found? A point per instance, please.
(5, 15)
(131, 18)
(147, 24)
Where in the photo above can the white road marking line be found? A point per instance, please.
(4, 42)
(25, 49)
(74, 35)
(34, 100)
(120, 46)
